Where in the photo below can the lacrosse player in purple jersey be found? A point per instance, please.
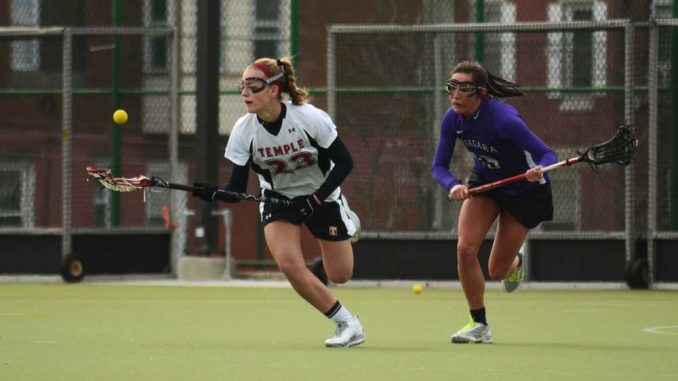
(502, 146)
(296, 153)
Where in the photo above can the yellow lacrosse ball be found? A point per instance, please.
(120, 116)
(417, 288)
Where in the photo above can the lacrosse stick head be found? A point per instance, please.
(119, 184)
(620, 149)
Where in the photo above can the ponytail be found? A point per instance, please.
(496, 87)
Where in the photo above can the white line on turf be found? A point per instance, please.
(663, 330)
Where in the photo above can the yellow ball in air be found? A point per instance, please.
(120, 116)
(417, 288)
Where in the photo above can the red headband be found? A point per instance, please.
(263, 68)
(272, 79)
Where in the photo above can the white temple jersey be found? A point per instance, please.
(293, 163)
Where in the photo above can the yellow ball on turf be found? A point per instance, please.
(120, 116)
(417, 288)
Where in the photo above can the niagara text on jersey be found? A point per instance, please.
(294, 161)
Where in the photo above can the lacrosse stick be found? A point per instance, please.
(129, 184)
(620, 149)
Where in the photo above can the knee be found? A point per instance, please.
(338, 277)
(496, 273)
(466, 253)
(289, 267)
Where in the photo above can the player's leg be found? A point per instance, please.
(338, 261)
(505, 261)
(507, 243)
(475, 219)
(284, 242)
(519, 215)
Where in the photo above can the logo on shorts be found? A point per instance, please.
(333, 231)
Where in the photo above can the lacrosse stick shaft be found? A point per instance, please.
(522, 176)
(240, 196)
(128, 184)
(182, 187)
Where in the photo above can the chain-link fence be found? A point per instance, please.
(57, 121)
(384, 88)
(572, 102)
(662, 184)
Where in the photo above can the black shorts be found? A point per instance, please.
(529, 209)
(330, 221)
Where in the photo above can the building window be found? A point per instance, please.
(661, 9)
(157, 201)
(102, 201)
(500, 48)
(577, 58)
(158, 13)
(267, 28)
(17, 189)
(566, 189)
(102, 208)
(25, 54)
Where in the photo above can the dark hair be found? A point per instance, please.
(496, 87)
(288, 83)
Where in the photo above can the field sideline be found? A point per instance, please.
(101, 331)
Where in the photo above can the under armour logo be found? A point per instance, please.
(290, 130)
(267, 216)
(333, 231)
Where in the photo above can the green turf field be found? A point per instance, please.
(121, 332)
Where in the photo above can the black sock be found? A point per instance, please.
(479, 316)
(333, 310)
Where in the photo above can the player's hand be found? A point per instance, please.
(458, 192)
(306, 205)
(204, 191)
(534, 174)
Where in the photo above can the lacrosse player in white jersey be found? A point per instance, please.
(294, 149)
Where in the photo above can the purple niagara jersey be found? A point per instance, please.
(501, 143)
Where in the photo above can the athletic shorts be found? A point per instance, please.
(529, 209)
(330, 220)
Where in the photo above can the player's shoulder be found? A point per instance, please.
(244, 122)
(501, 107)
(504, 112)
(305, 110)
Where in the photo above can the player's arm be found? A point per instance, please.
(440, 169)
(343, 164)
(237, 183)
(542, 153)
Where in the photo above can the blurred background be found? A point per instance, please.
(378, 68)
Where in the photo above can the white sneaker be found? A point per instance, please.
(348, 334)
(473, 332)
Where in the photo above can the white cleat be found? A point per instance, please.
(348, 334)
(473, 332)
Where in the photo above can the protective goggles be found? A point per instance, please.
(256, 85)
(465, 88)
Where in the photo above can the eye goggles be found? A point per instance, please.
(251, 83)
(465, 88)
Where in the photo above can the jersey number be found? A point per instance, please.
(488, 162)
(296, 161)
